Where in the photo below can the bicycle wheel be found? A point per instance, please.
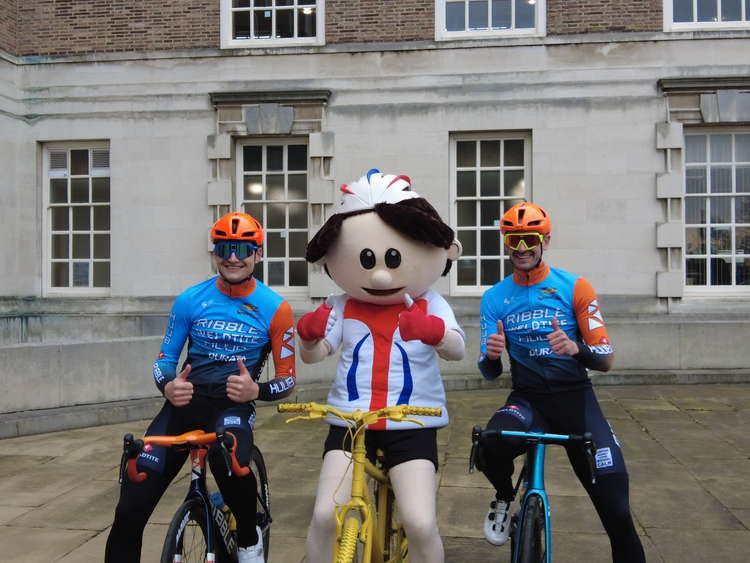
(347, 552)
(186, 535)
(533, 541)
(395, 546)
(263, 505)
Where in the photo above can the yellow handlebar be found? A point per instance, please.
(397, 413)
(294, 407)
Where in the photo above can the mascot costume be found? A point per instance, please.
(384, 246)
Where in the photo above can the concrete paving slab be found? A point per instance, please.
(9, 513)
(41, 485)
(32, 545)
(681, 546)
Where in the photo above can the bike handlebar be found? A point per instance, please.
(396, 413)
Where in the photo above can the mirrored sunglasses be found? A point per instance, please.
(241, 249)
(530, 240)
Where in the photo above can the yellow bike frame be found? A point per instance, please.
(376, 526)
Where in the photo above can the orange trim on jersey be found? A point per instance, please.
(532, 277)
(281, 334)
(236, 289)
(588, 314)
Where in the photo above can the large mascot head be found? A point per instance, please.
(383, 241)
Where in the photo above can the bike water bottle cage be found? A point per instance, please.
(241, 249)
(529, 240)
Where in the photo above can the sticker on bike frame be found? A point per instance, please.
(604, 458)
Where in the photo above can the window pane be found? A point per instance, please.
(297, 186)
(60, 218)
(514, 183)
(298, 215)
(524, 14)
(466, 213)
(275, 273)
(101, 218)
(742, 240)
(454, 16)
(490, 243)
(507, 267)
(490, 153)
(81, 246)
(297, 157)
(743, 179)
(241, 25)
(721, 210)
(489, 212)
(255, 210)
(81, 218)
(59, 246)
(240, 3)
(252, 159)
(721, 271)
(297, 244)
(80, 274)
(260, 3)
(275, 247)
(79, 190)
(58, 190)
(258, 273)
(721, 240)
(60, 274)
(284, 23)
(253, 187)
(721, 179)
(508, 203)
(466, 153)
(467, 272)
(306, 22)
(101, 274)
(466, 181)
(477, 14)
(276, 218)
(490, 272)
(695, 210)
(695, 271)
(101, 247)
(742, 209)
(695, 148)
(262, 24)
(682, 10)
(468, 240)
(721, 148)
(695, 240)
(514, 153)
(79, 162)
(695, 180)
(501, 14)
(731, 10)
(489, 183)
(706, 10)
(297, 273)
(275, 158)
(100, 189)
(743, 271)
(742, 142)
(275, 186)
(285, 2)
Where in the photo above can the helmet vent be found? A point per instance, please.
(235, 224)
(521, 213)
(534, 223)
(248, 234)
(221, 233)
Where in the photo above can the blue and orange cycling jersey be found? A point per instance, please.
(526, 309)
(222, 327)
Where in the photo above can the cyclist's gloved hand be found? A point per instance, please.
(496, 342)
(179, 391)
(241, 388)
(415, 324)
(559, 341)
(315, 325)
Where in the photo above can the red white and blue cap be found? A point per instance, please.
(373, 188)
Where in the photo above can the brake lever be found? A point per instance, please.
(221, 436)
(475, 432)
(590, 449)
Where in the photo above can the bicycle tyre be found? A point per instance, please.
(263, 505)
(347, 552)
(186, 535)
(533, 541)
(395, 547)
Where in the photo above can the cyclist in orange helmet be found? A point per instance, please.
(231, 323)
(550, 324)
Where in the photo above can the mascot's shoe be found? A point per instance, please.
(253, 553)
(497, 522)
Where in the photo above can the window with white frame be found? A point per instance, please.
(475, 19)
(717, 209)
(273, 183)
(268, 23)
(687, 15)
(77, 218)
(489, 174)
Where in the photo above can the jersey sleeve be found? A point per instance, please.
(488, 317)
(596, 350)
(281, 335)
(178, 329)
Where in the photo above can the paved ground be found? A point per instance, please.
(687, 448)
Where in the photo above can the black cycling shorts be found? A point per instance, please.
(398, 446)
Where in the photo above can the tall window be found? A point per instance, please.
(717, 209)
(263, 23)
(77, 202)
(274, 191)
(682, 15)
(474, 19)
(489, 174)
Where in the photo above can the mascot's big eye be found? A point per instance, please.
(367, 259)
(392, 258)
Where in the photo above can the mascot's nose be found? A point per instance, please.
(381, 279)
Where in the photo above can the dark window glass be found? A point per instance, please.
(79, 162)
(466, 181)
(81, 246)
(79, 190)
(297, 186)
(275, 157)
(252, 159)
(297, 156)
(682, 11)
(58, 190)
(284, 24)
(513, 183)
(60, 274)
(60, 220)
(707, 10)
(501, 14)
(454, 16)
(81, 218)
(466, 153)
(490, 272)
(524, 14)
(514, 152)
(489, 183)
(263, 24)
(695, 271)
(276, 218)
(468, 240)
(275, 247)
(306, 24)
(297, 273)
(491, 243)
(101, 217)
(721, 271)
(467, 272)
(490, 153)
(275, 273)
(731, 10)
(59, 246)
(477, 14)
(100, 189)
(241, 25)
(101, 274)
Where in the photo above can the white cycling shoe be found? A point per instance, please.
(497, 522)
(253, 553)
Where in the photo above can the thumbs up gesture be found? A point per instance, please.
(496, 342)
(241, 388)
(559, 341)
(414, 324)
(315, 325)
(179, 391)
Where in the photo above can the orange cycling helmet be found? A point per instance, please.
(527, 217)
(238, 226)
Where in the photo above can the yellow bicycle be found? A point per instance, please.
(377, 528)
